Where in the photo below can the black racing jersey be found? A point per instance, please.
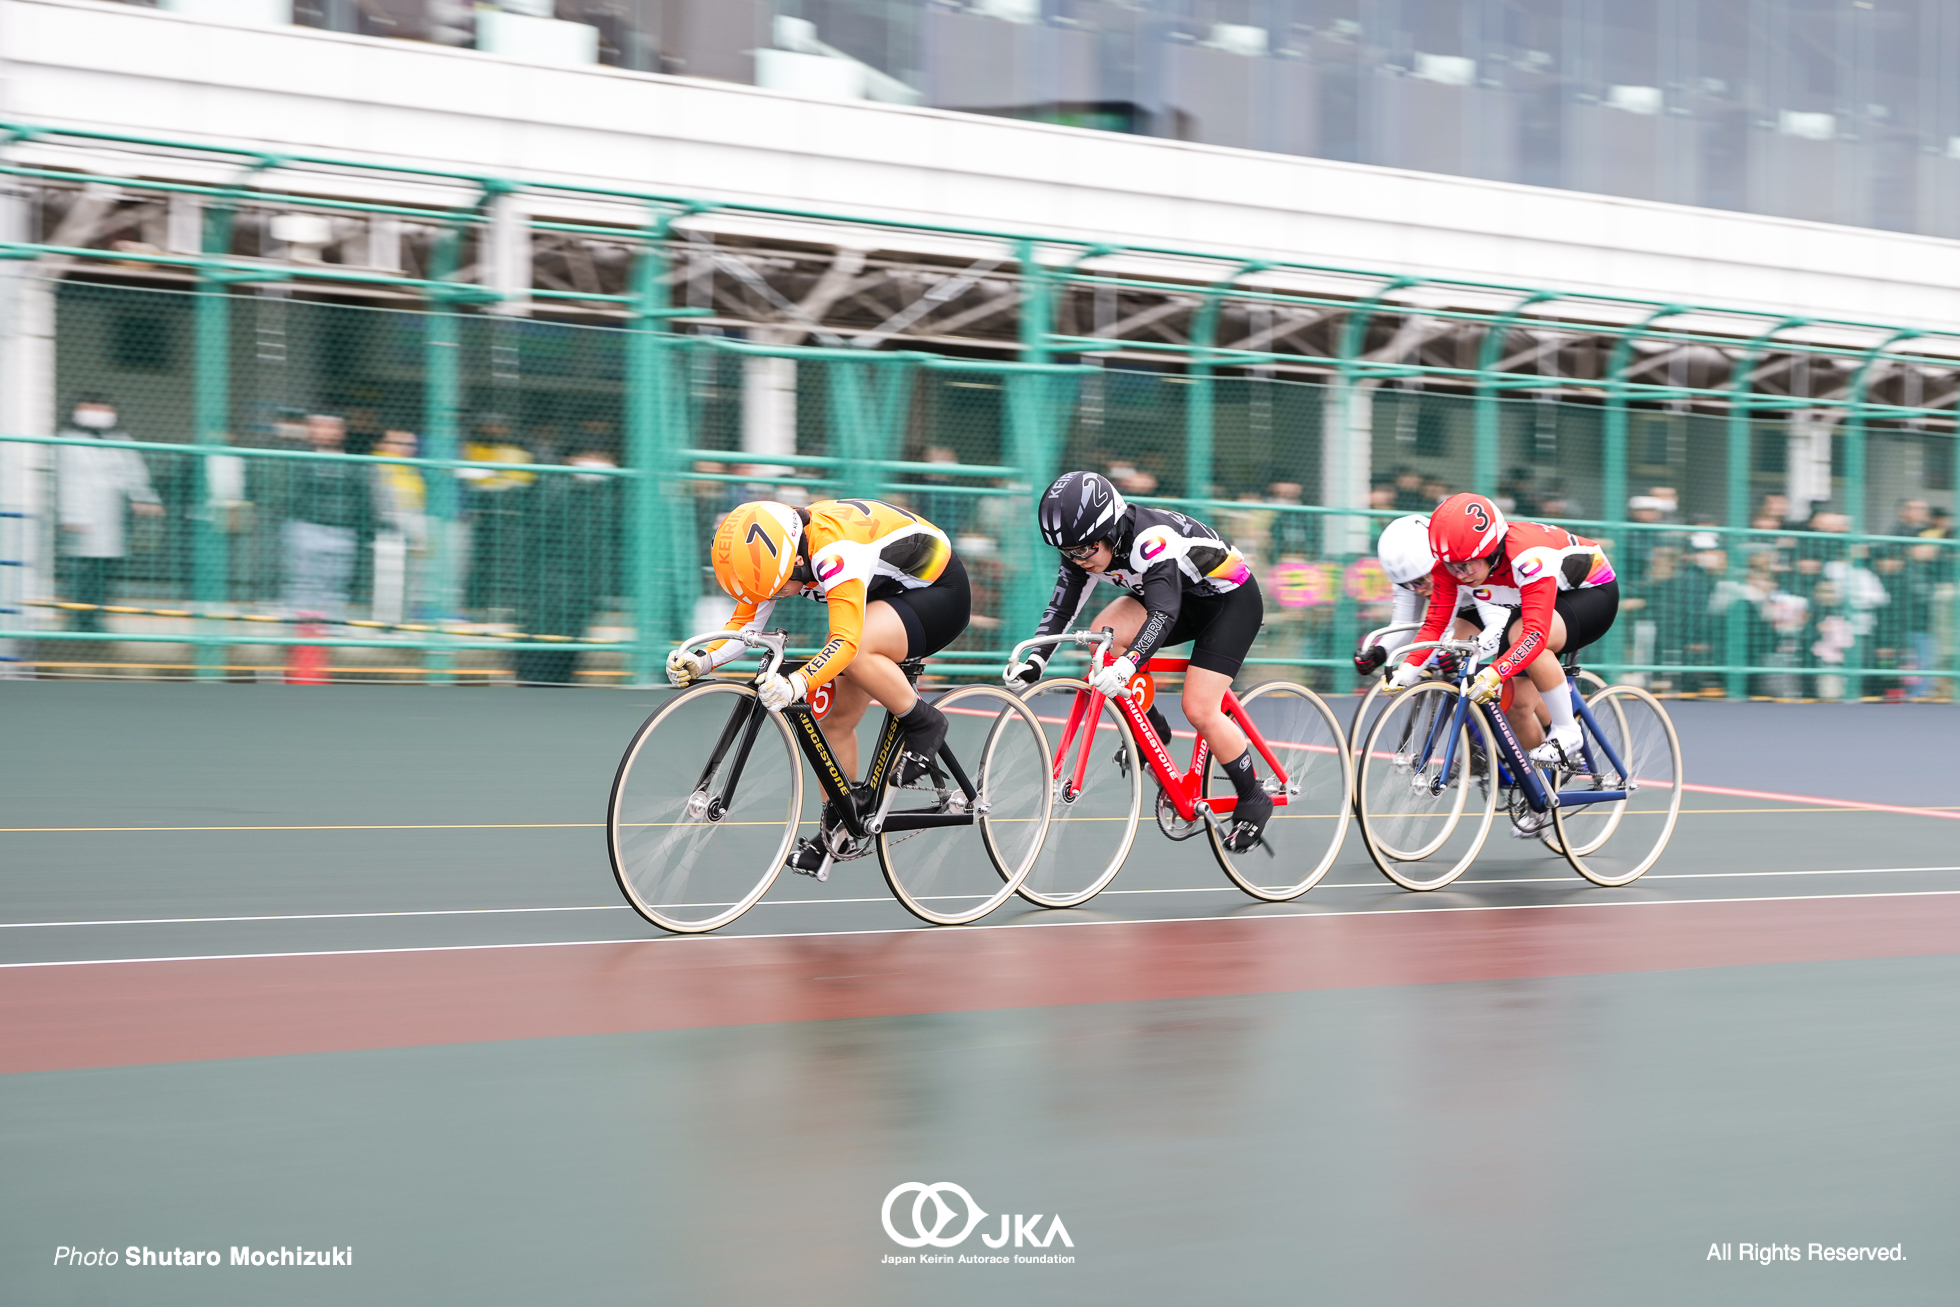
(1160, 556)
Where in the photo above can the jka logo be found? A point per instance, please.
(937, 1229)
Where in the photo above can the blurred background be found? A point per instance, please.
(413, 341)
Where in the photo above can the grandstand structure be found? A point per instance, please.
(1346, 325)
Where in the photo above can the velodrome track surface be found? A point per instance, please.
(346, 966)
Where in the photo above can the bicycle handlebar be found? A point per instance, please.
(1101, 638)
(1374, 637)
(771, 642)
(1468, 648)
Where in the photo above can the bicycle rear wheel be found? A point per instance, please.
(950, 875)
(1310, 822)
(1424, 822)
(688, 854)
(1090, 830)
(1615, 843)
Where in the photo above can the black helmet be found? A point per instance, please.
(1081, 508)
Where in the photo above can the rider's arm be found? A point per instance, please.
(1163, 599)
(1539, 601)
(1072, 586)
(1442, 606)
(1406, 610)
(748, 617)
(846, 603)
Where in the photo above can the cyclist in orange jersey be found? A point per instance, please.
(894, 588)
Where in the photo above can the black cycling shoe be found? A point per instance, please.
(807, 858)
(1249, 820)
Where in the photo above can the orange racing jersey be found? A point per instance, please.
(853, 551)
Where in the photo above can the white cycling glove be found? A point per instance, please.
(1405, 676)
(1019, 676)
(684, 666)
(779, 692)
(1114, 680)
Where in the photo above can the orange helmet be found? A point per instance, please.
(755, 549)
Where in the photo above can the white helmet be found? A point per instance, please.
(1404, 549)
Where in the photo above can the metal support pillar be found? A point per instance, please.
(1735, 636)
(1854, 469)
(441, 368)
(1485, 454)
(1031, 448)
(1199, 409)
(1613, 478)
(210, 547)
(1347, 451)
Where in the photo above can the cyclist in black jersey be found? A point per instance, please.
(1183, 582)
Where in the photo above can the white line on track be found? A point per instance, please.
(676, 940)
(1857, 804)
(831, 902)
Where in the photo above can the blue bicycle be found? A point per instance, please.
(1436, 766)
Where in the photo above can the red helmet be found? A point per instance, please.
(1465, 528)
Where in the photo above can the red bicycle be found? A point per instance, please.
(1097, 800)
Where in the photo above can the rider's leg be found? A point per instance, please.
(1540, 690)
(1204, 693)
(873, 674)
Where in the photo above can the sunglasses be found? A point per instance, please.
(1081, 553)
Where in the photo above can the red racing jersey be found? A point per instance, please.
(1534, 564)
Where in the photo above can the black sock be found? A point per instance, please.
(924, 727)
(1160, 724)
(1244, 779)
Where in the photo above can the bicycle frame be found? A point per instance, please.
(1514, 767)
(745, 721)
(1185, 788)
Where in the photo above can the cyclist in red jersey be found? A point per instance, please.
(1562, 590)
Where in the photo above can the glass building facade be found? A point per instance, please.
(1844, 111)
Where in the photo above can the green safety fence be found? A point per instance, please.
(540, 541)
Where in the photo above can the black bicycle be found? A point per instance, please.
(708, 801)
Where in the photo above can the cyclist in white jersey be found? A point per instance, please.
(1406, 559)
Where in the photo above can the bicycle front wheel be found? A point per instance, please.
(1364, 715)
(1311, 813)
(1426, 808)
(1090, 828)
(703, 808)
(1615, 843)
(953, 872)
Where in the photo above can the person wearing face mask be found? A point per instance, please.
(96, 488)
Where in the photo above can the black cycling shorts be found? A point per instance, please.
(1588, 615)
(1221, 627)
(934, 615)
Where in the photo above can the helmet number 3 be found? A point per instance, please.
(1477, 513)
